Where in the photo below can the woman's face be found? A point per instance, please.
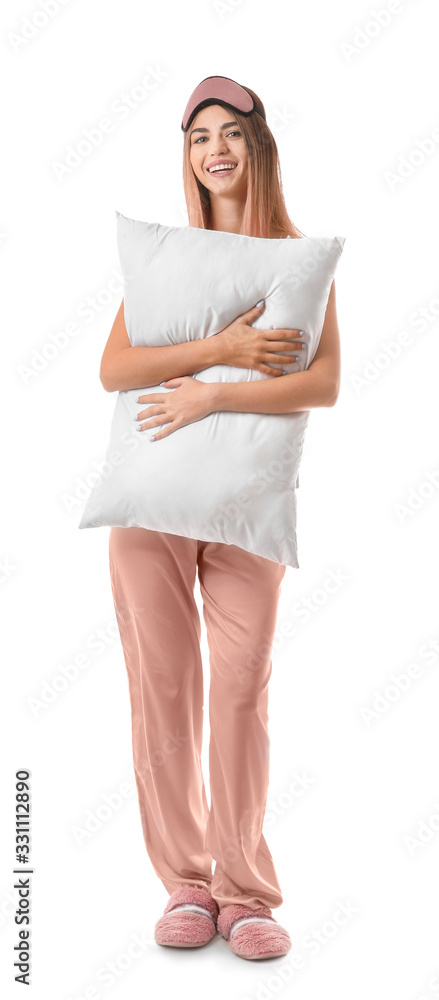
(215, 135)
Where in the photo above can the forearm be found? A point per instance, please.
(139, 367)
(288, 394)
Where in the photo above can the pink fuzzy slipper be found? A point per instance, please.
(252, 933)
(189, 919)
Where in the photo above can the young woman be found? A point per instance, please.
(153, 573)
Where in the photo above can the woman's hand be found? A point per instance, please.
(191, 400)
(244, 346)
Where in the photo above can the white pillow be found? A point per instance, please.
(230, 477)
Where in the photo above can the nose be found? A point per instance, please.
(220, 146)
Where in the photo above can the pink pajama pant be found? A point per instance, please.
(152, 579)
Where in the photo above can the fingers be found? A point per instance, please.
(286, 345)
(281, 334)
(149, 425)
(268, 370)
(156, 435)
(282, 359)
(254, 311)
(152, 408)
(155, 408)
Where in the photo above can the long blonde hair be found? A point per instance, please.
(265, 210)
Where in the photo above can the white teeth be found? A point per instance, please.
(221, 166)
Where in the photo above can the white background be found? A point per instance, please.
(348, 97)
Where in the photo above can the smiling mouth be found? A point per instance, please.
(222, 173)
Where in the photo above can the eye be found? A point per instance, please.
(233, 132)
